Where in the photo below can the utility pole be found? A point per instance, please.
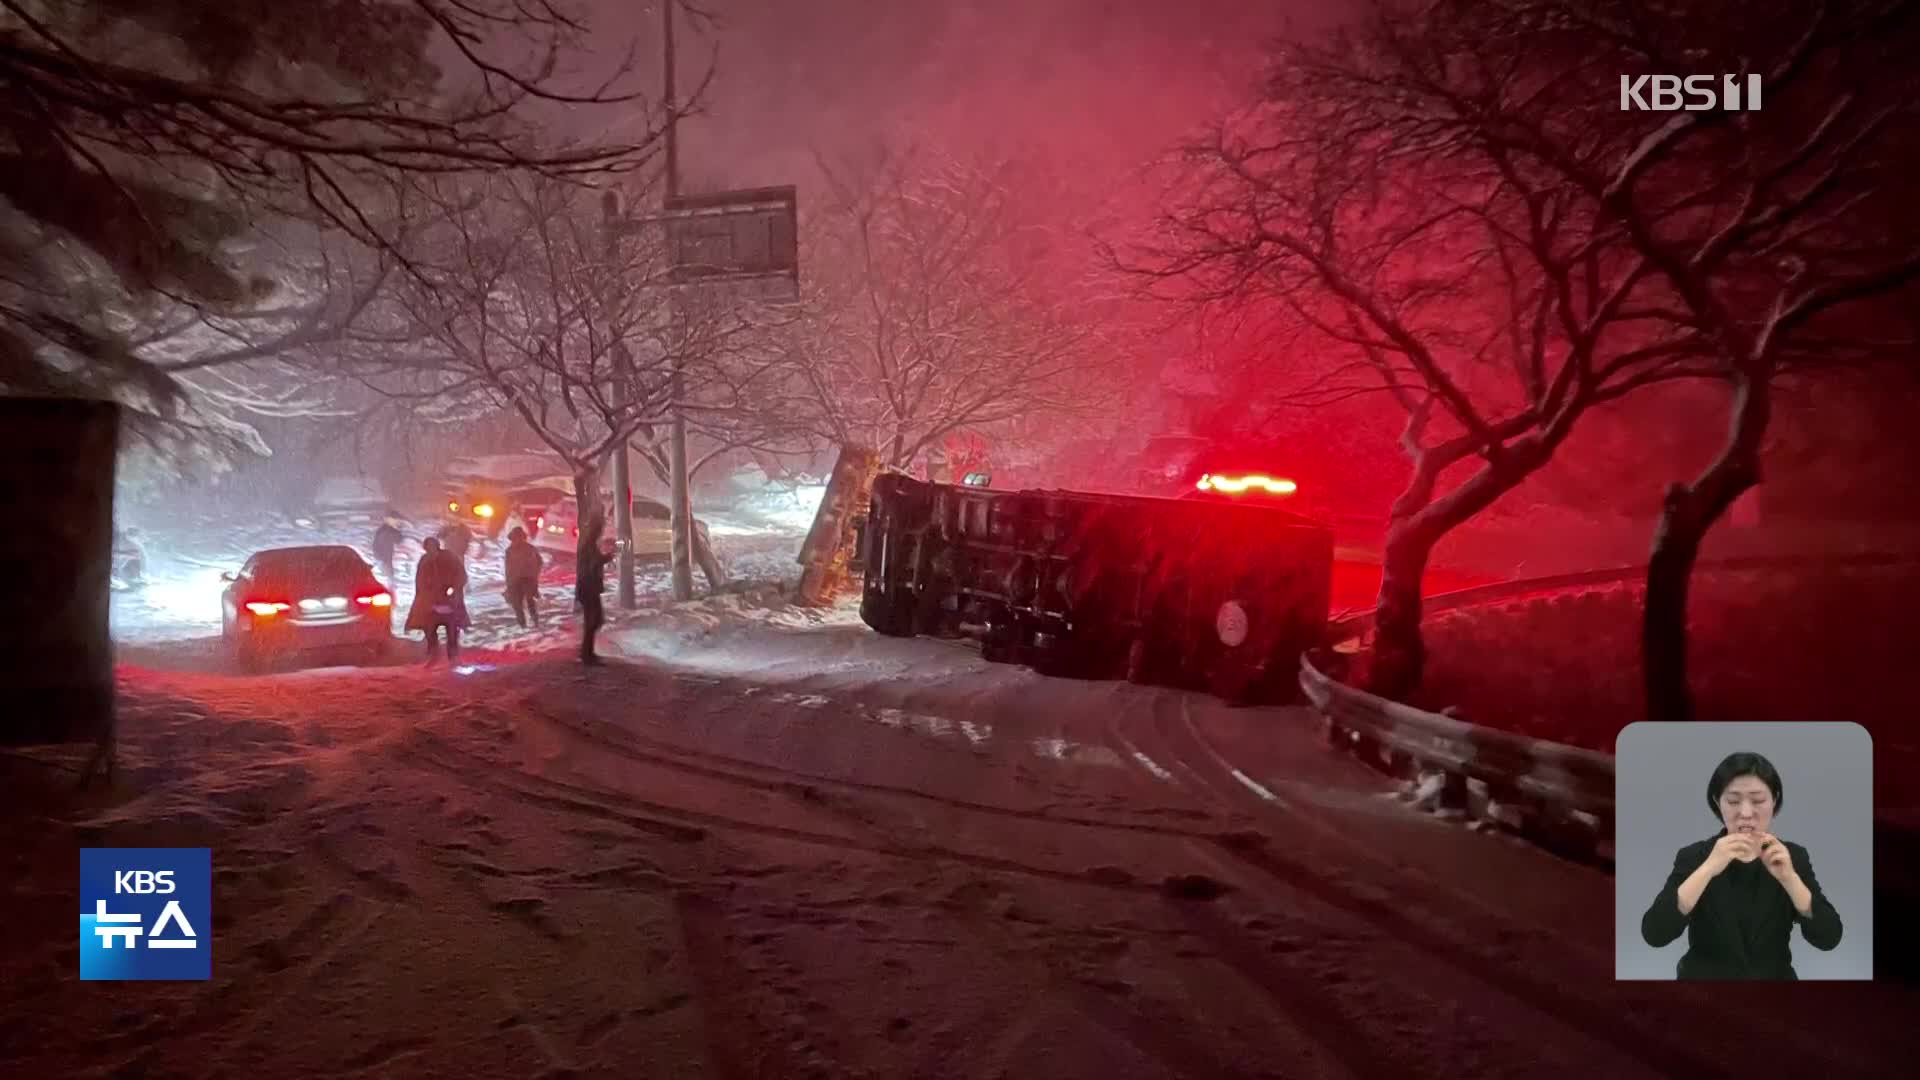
(622, 474)
(682, 519)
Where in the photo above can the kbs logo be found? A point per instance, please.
(1694, 93)
(146, 913)
(143, 881)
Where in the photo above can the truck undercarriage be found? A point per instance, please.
(1221, 596)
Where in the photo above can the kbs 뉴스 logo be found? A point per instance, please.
(146, 913)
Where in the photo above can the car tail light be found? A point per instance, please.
(484, 510)
(1235, 485)
(540, 522)
(266, 607)
(379, 599)
(453, 507)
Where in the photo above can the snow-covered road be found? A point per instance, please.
(824, 853)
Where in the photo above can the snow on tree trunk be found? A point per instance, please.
(592, 513)
(1417, 522)
(829, 548)
(1399, 651)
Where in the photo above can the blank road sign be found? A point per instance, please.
(734, 234)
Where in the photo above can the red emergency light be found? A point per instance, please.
(1237, 485)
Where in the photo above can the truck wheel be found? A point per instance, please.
(1239, 688)
(1150, 663)
(1058, 661)
(891, 614)
(1002, 643)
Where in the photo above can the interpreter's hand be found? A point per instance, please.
(1731, 848)
(1778, 860)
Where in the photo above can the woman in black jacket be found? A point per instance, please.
(1739, 895)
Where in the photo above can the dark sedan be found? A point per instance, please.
(298, 600)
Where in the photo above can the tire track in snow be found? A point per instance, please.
(689, 826)
(723, 994)
(645, 748)
(1125, 1018)
(1129, 1020)
(1157, 1035)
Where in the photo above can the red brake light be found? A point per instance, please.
(266, 607)
(540, 522)
(379, 599)
(1235, 485)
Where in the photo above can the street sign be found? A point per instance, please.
(737, 236)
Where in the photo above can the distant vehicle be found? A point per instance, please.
(295, 600)
(487, 493)
(559, 528)
(349, 500)
(1165, 465)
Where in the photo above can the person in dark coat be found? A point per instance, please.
(589, 585)
(439, 599)
(1739, 895)
(523, 565)
(386, 544)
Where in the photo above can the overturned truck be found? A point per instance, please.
(1215, 595)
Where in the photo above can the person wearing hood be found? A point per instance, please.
(386, 544)
(439, 599)
(523, 565)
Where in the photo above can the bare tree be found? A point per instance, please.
(934, 306)
(1813, 227)
(525, 295)
(1469, 294)
(1452, 191)
(1765, 237)
(145, 147)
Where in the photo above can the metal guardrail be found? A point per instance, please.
(1514, 767)
(1360, 623)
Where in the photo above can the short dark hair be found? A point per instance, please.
(1744, 763)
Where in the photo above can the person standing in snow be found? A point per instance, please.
(386, 544)
(590, 583)
(129, 557)
(523, 577)
(439, 599)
